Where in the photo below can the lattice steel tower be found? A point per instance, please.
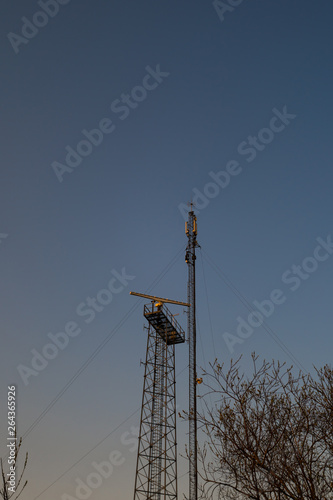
(156, 470)
(191, 232)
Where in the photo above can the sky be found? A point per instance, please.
(114, 116)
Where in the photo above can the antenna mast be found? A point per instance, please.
(191, 232)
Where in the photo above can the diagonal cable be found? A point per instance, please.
(248, 305)
(101, 346)
(96, 445)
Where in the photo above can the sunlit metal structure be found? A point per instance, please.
(190, 257)
(156, 470)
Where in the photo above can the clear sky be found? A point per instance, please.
(230, 106)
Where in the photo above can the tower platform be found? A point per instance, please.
(164, 323)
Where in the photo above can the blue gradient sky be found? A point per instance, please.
(120, 207)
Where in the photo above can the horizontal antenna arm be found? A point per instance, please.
(168, 301)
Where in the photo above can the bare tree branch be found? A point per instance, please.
(268, 437)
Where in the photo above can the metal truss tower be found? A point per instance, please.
(191, 232)
(156, 470)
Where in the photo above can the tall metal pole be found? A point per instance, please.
(191, 232)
